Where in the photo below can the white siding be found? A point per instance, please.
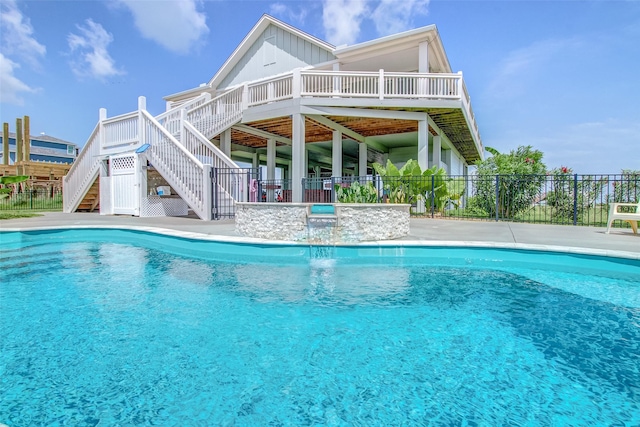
(276, 51)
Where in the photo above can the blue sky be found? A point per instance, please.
(562, 76)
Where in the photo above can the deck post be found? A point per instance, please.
(5, 143)
(436, 147)
(381, 84)
(336, 154)
(423, 143)
(362, 159)
(225, 142)
(296, 83)
(271, 168)
(297, 157)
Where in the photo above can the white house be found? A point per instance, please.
(288, 100)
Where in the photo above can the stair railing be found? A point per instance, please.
(217, 114)
(171, 120)
(82, 173)
(187, 175)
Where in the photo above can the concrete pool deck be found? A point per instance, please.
(423, 231)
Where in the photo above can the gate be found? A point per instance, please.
(124, 188)
(232, 185)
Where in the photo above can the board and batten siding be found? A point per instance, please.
(276, 51)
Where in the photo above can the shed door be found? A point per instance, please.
(124, 187)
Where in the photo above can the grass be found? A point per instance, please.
(17, 214)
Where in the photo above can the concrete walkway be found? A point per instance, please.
(424, 231)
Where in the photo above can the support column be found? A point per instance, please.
(336, 154)
(271, 168)
(5, 144)
(225, 142)
(255, 160)
(297, 157)
(362, 159)
(436, 147)
(19, 155)
(26, 136)
(423, 144)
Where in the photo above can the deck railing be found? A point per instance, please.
(120, 130)
(357, 84)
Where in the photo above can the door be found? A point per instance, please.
(124, 188)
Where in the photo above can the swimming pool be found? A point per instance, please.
(115, 327)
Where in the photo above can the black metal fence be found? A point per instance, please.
(40, 199)
(232, 185)
(558, 198)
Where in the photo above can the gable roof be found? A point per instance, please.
(253, 36)
(397, 42)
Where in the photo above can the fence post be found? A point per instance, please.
(433, 195)
(31, 198)
(497, 195)
(575, 199)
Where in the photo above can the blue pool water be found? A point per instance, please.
(108, 327)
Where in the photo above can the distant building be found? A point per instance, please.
(44, 148)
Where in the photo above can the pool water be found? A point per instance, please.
(98, 331)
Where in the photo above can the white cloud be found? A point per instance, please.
(10, 86)
(174, 25)
(90, 48)
(288, 14)
(394, 16)
(342, 19)
(17, 35)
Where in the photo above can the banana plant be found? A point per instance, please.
(410, 184)
(7, 180)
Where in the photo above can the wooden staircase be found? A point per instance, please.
(91, 200)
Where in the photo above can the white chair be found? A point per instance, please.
(631, 217)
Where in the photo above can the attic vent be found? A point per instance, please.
(269, 50)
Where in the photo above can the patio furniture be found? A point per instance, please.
(631, 217)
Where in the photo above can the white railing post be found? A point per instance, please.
(183, 120)
(296, 83)
(460, 92)
(103, 136)
(142, 106)
(245, 97)
(207, 189)
(381, 85)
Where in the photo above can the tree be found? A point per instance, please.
(627, 190)
(519, 176)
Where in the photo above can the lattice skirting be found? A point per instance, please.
(163, 206)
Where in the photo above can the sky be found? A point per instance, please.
(561, 76)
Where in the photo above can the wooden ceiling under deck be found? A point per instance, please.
(451, 121)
